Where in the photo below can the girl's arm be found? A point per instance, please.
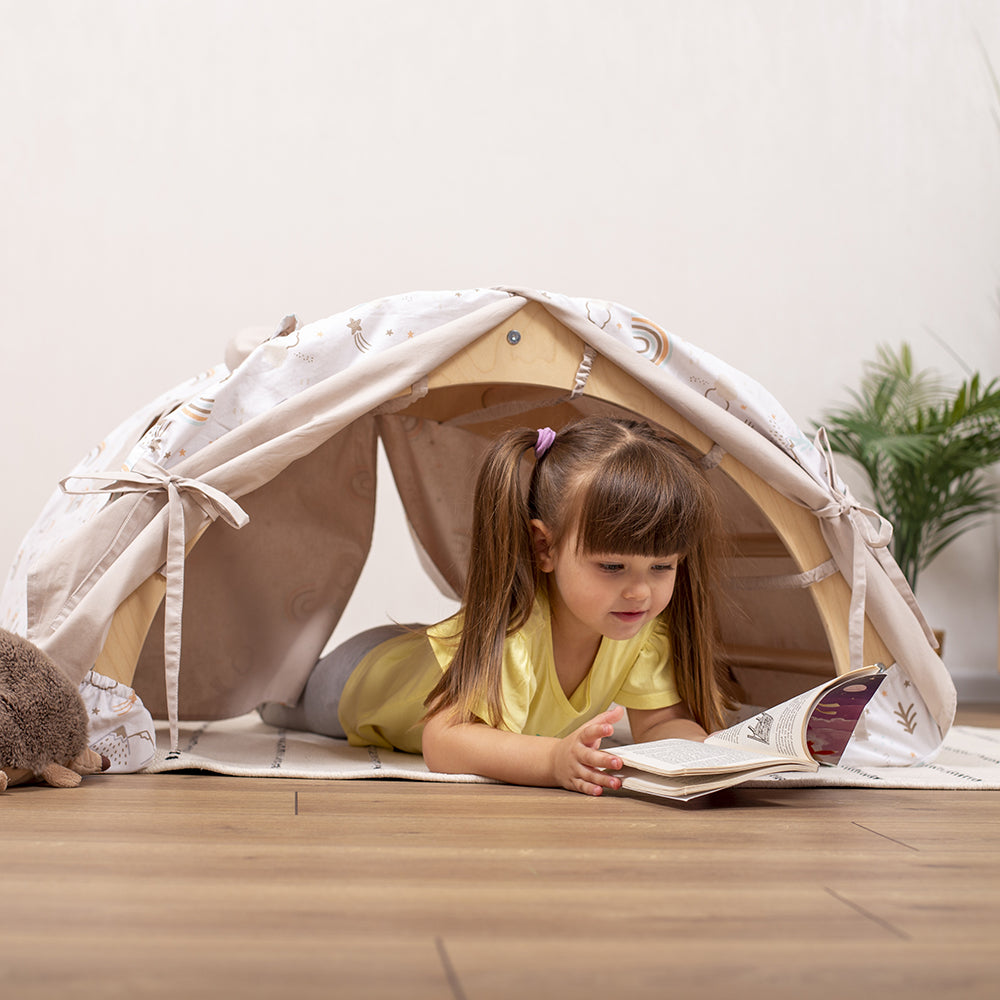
(674, 722)
(575, 762)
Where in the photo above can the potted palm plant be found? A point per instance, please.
(925, 449)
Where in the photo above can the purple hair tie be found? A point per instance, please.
(546, 435)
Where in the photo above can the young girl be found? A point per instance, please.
(593, 586)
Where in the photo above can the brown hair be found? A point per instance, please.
(625, 488)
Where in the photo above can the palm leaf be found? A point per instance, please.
(924, 448)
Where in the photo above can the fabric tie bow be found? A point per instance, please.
(147, 477)
(871, 532)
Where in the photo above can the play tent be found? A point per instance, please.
(215, 537)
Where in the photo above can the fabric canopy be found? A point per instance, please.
(276, 452)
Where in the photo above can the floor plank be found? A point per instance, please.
(166, 885)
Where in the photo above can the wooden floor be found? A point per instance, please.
(191, 885)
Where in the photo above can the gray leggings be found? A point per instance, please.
(316, 709)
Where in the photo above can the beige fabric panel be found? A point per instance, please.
(260, 603)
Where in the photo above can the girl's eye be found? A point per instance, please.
(610, 567)
(665, 568)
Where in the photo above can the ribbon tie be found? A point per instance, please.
(871, 531)
(148, 477)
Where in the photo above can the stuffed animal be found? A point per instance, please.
(43, 724)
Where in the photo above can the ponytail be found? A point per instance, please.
(500, 585)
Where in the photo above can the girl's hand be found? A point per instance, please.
(578, 759)
(574, 762)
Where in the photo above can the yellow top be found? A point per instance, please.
(383, 701)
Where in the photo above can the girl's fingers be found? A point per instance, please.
(593, 766)
(596, 768)
(596, 781)
(599, 728)
(596, 730)
(593, 758)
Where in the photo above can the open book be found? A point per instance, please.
(797, 735)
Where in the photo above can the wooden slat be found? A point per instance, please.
(128, 630)
(756, 545)
(801, 661)
(130, 625)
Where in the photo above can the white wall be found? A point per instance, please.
(785, 182)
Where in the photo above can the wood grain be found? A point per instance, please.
(174, 884)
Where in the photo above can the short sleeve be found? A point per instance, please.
(518, 683)
(517, 680)
(650, 683)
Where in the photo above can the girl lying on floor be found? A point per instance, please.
(590, 593)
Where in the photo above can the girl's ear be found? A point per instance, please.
(541, 544)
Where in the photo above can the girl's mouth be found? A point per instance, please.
(628, 616)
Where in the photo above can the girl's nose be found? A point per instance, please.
(636, 589)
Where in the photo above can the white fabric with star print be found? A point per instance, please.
(120, 727)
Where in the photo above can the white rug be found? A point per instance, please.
(969, 760)
(247, 747)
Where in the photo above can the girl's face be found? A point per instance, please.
(607, 594)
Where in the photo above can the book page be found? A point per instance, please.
(835, 716)
(779, 730)
(819, 722)
(691, 786)
(679, 757)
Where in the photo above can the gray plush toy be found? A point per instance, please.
(43, 723)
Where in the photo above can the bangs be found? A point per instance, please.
(632, 508)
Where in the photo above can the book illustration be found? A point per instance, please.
(834, 719)
(760, 728)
